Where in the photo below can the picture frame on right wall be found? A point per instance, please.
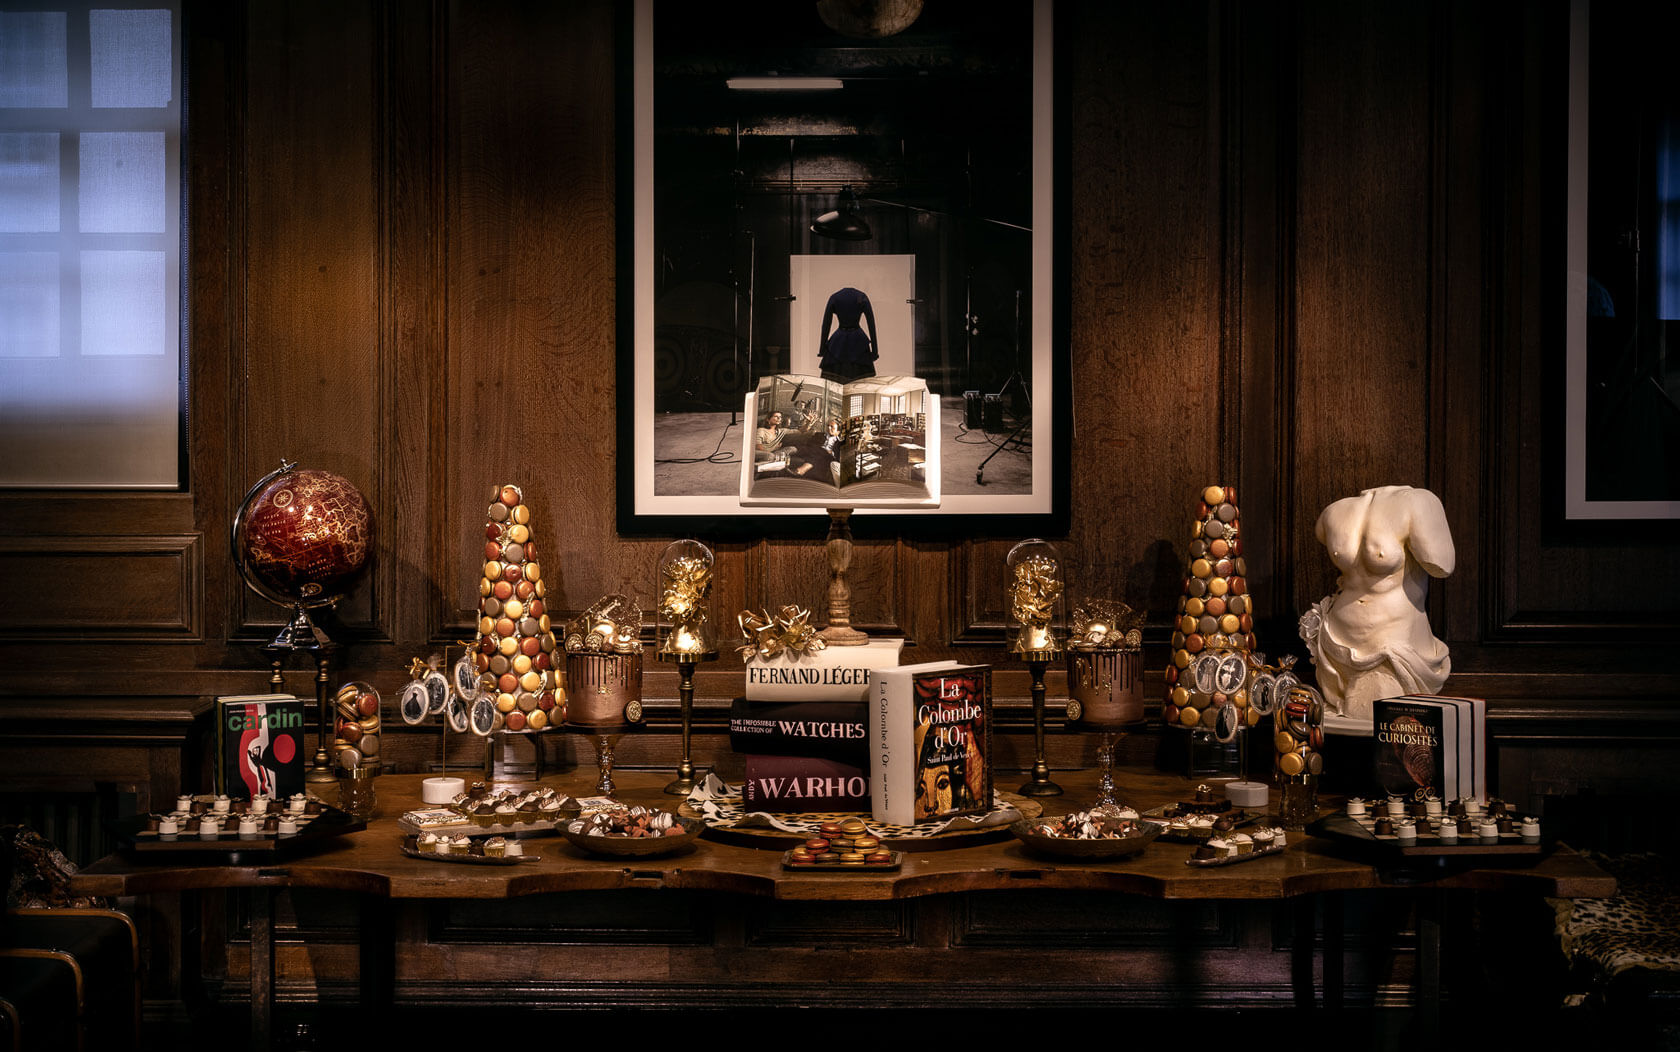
(1621, 383)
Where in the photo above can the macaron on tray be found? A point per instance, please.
(844, 846)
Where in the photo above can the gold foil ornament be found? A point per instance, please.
(788, 632)
(613, 625)
(1106, 624)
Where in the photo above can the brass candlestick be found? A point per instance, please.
(684, 782)
(1040, 783)
(684, 587)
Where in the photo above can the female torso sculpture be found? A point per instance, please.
(1372, 639)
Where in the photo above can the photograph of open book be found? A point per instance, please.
(873, 442)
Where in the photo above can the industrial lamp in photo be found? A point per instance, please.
(843, 224)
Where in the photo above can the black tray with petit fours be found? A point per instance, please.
(313, 822)
(1376, 835)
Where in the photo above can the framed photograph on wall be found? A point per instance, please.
(801, 179)
(1621, 390)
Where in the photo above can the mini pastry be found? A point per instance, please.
(184, 802)
(879, 858)
(259, 805)
(312, 807)
(1406, 832)
(209, 825)
(1384, 827)
(1466, 826)
(1243, 842)
(1396, 806)
(854, 827)
(1432, 807)
(1262, 839)
(426, 841)
(167, 826)
(287, 825)
(222, 804)
(1488, 829)
(296, 802)
(152, 823)
(1220, 846)
(1449, 832)
(1206, 850)
(1356, 807)
(249, 824)
(271, 824)
(1530, 828)
(461, 845)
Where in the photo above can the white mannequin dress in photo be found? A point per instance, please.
(1371, 639)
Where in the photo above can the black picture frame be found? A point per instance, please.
(1039, 351)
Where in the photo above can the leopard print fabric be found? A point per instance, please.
(1638, 927)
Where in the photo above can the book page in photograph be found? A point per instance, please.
(871, 443)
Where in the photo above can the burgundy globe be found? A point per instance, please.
(303, 536)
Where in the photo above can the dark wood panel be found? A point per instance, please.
(1361, 381)
(126, 588)
(1156, 413)
(310, 359)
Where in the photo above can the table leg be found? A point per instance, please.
(262, 969)
(1429, 906)
(378, 956)
(1334, 947)
(1302, 937)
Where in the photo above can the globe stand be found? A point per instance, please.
(301, 634)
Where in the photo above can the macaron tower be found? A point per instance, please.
(515, 654)
(1215, 616)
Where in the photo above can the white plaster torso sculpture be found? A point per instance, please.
(1372, 639)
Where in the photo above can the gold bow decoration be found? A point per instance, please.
(767, 636)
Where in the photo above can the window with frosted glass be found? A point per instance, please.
(91, 388)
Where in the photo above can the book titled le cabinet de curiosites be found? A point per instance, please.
(930, 741)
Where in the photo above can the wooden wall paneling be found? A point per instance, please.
(213, 36)
(312, 342)
(1258, 109)
(128, 588)
(412, 377)
(1154, 413)
(530, 361)
(1361, 397)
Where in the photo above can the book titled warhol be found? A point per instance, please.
(930, 741)
(803, 783)
(259, 745)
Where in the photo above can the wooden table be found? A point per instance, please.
(371, 864)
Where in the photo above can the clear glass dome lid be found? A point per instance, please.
(687, 621)
(1037, 603)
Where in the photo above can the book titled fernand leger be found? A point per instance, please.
(832, 674)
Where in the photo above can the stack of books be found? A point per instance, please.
(801, 727)
(1430, 744)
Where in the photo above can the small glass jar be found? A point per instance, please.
(355, 793)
